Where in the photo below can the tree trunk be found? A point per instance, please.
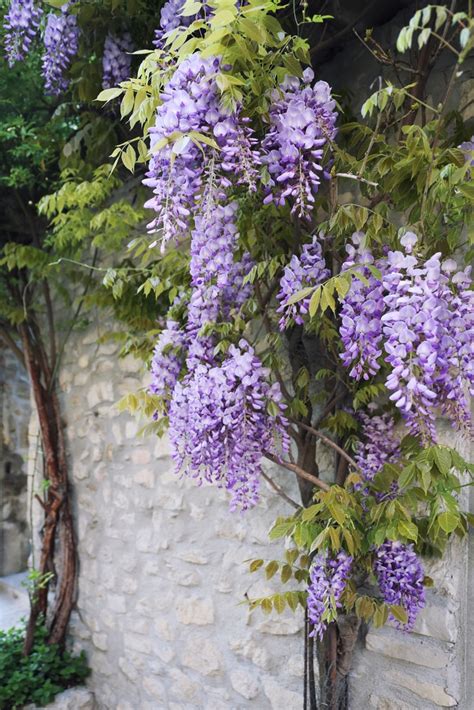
(58, 538)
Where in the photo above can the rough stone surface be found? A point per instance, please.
(164, 567)
(72, 699)
(14, 415)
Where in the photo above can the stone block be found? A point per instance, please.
(423, 689)
(100, 641)
(245, 684)
(145, 477)
(155, 688)
(72, 699)
(407, 647)
(280, 698)
(203, 656)
(117, 603)
(137, 642)
(195, 611)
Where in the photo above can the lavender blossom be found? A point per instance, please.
(328, 577)
(361, 311)
(379, 444)
(427, 327)
(167, 360)
(170, 19)
(307, 270)
(61, 42)
(219, 426)
(187, 178)
(116, 60)
(21, 26)
(302, 121)
(400, 577)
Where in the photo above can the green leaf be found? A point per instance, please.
(442, 457)
(266, 606)
(279, 603)
(255, 565)
(314, 302)
(271, 569)
(286, 573)
(448, 521)
(280, 530)
(399, 612)
(408, 530)
(109, 94)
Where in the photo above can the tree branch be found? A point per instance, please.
(327, 441)
(300, 472)
(280, 491)
(9, 341)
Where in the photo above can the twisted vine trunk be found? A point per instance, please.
(334, 654)
(58, 537)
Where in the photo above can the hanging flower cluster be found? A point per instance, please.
(379, 443)
(219, 425)
(361, 311)
(116, 59)
(424, 313)
(400, 578)
(302, 121)
(166, 363)
(61, 42)
(328, 577)
(21, 26)
(170, 19)
(183, 180)
(309, 269)
(428, 338)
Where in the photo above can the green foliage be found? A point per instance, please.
(425, 512)
(39, 677)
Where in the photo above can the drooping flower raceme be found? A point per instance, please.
(167, 360)
(400, 578)
(328, 577)
(61, 42)
(302, 121)
(379, 444)
(170, 19)
(361, 312)
(21, 26)
(187, 178)
(220, 427)
(426, 338)
(303, 271)
(116, 60)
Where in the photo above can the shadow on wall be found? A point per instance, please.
(14, 534)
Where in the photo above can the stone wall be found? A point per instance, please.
(14, 417)
(163, 572)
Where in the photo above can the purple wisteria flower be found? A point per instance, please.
(303, 271)
(219, 425)
(328, 577)
(302, 121)
(61, 42)
(116, 60)
(379, 444)
(167, 360)
(188, 178)
(468, 149)
(361, 311)
(21, 26)
(428, 328)
(400, 578)
(170, 19)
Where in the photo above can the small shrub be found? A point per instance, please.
(39, 677)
